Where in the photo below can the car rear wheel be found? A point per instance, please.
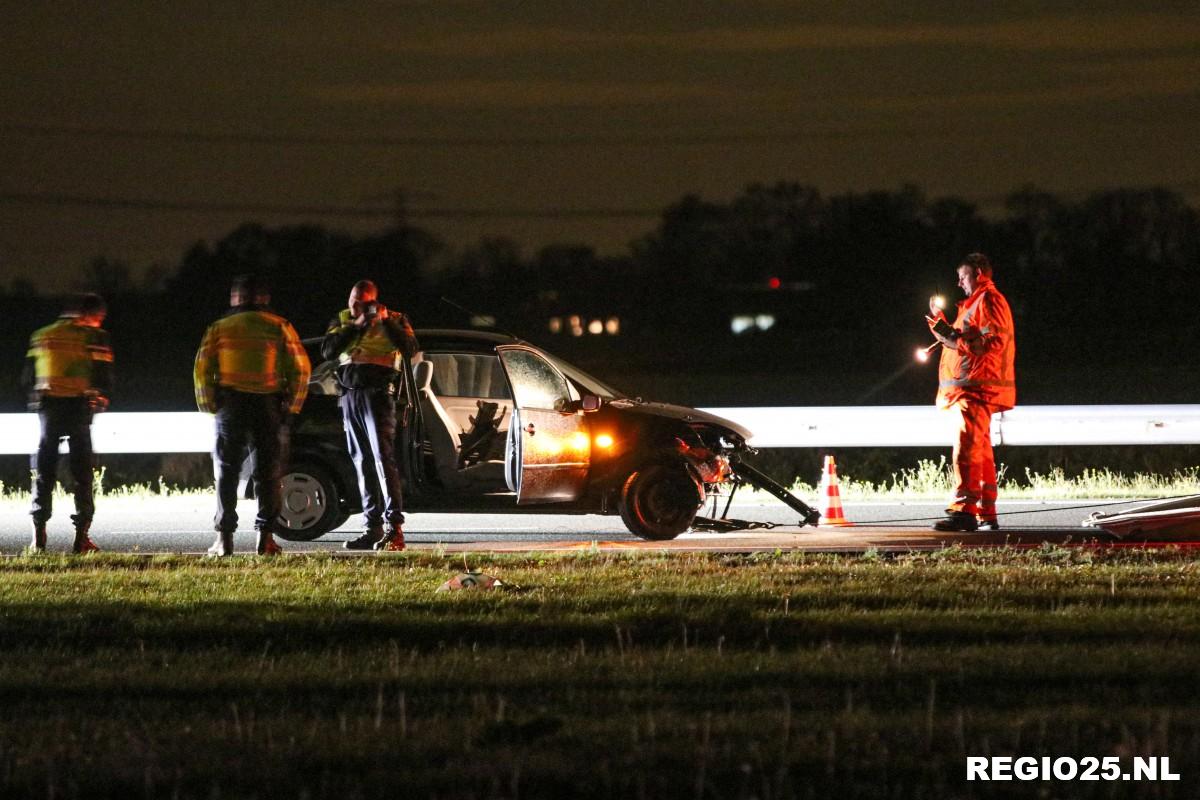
(659, 501)
(310, 505)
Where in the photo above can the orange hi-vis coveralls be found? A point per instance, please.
(975, 380)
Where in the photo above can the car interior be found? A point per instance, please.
(467, 407)
(466, 404)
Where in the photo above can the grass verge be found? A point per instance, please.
(928, 480)
(591, 676)
(935, 480)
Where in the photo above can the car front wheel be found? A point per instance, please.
(659, 501)
(310, 504)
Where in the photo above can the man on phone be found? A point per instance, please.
(370, 342)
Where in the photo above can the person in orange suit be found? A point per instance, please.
(975, 380)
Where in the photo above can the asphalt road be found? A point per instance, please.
(184, 525)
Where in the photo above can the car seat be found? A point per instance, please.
(439, 427)
(445, 440)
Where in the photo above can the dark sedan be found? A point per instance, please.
(499, 424)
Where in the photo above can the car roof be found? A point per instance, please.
(451, 339)
(466, 340)
(442, 338)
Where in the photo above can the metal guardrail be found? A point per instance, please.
(122, 432)
(926, 426)
(779, 426)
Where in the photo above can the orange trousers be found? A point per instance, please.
(974, 462)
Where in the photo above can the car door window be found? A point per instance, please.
(468, 375)
(535, 383)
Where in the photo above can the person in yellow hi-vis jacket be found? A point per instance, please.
(252, 372)
(68, 373)
(370, 342)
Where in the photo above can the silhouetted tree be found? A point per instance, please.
(773, 233)
(311, 269)
(1108, 279)
(106, 277)
(690, 247)
(1037, 237)
(22, 287)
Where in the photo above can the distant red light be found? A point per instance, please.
(774, 283)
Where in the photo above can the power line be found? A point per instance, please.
(1187, 188)
(440, 141)
(361, 212)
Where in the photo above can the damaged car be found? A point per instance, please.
(493, 423)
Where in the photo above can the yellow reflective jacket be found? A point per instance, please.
(68, 359)
(371, 346)
(251, 350)
(369, 357)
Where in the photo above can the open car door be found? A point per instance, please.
(549, 446)
(410, 432)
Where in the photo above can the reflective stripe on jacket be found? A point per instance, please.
(70, 359)
(981, 367)
(255, 351)
(372, 346)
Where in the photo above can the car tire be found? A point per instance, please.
(660, 501)
(311, 505)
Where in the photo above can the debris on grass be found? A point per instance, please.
(471, 580)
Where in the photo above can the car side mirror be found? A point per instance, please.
(589, 403)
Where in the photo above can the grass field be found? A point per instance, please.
(935, 480)
(592, 676)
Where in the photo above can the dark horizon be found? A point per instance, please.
(469, 106)
(425, 222)
(779, 282)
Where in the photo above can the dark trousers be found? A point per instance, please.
(251, 422)
(69, 418)
(369, 417)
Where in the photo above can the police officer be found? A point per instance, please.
(369, 342)
(252, 372)
(68, 371)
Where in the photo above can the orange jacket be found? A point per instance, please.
(979, 364)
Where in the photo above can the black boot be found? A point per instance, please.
(393, 540)
(38, 543)
(223, 546)
(367, 540)
(83, 543)
(989, 524)
(957, 521)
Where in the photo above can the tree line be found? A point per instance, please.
(1104, 280)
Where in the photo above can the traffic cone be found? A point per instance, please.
(833, 498)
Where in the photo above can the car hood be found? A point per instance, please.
(681, 413)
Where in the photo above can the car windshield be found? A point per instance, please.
(590, 383)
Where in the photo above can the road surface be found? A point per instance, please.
(184, 525)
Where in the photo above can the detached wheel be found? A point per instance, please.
(659, 502)
(310, 505)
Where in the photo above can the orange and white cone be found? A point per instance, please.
(833, 498)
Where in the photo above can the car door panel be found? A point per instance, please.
(549, 442)
(554, 456)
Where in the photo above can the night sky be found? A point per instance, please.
(538, 109)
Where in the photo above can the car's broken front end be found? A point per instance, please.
(709, 453)
(717, 458)
(667, 461)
